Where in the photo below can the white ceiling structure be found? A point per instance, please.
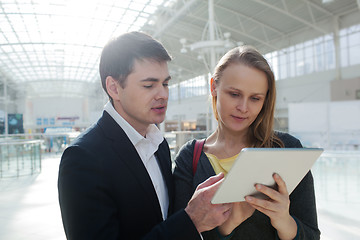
(52, 47)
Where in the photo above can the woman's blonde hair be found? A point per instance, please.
(261, 132)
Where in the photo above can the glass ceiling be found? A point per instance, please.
(52, 46)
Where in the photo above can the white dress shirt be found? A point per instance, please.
(146, 147)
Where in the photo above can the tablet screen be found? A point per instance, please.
(257, 165)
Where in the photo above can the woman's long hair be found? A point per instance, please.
(261, 132)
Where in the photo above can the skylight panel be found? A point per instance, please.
(140, 21)
(53, 39)
(150, 9)
(136, 6)
(17, 48)
(7, 48)
(25, 8)
(9, 7)
(114, 14)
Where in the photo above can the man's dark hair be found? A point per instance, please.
(118, 55)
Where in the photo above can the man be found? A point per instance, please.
(115, 180)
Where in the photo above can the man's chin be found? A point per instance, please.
(159, 120)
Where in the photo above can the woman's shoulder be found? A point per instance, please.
(186, 149)
(188, 146)
(288, 140)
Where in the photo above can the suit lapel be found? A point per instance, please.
(164, 161)
(127, 153)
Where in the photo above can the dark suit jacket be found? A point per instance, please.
(105, 192)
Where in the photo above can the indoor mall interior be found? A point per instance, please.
(50, 90)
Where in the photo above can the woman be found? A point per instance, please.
(243, 97)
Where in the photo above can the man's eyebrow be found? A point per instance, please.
(150, 79)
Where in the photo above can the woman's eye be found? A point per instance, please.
(234, 94)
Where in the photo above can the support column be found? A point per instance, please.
(337, 48)
(212, 60)
(212, 35)
(6, 132)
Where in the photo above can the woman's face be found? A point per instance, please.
(241, 93)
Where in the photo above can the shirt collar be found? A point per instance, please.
(152, 132)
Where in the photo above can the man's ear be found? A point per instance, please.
(112, 87)
(213, 87)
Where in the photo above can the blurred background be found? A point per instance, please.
(50, 89)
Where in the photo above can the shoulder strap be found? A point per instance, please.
(197, 152)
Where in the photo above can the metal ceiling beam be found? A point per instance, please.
(292, 16)
(242, 33)
(312, 4)
(57, 80)
(178, 15)
(50, 43)
(311, 12)
(252, 19)
(54, 65)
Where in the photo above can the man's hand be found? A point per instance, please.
(205, 215)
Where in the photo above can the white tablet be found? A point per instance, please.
(257, 165)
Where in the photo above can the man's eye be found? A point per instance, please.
(165, 84)
(148, 86)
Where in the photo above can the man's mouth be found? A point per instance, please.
(159, 109)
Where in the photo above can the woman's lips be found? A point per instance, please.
(237, 118)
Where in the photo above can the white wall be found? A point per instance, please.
(57, 108)
(331, 125)
(315, 87)
(310, 88)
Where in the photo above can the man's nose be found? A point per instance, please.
(163, 93)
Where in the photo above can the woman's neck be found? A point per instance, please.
(224, 144)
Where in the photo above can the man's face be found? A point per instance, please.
(143, 100)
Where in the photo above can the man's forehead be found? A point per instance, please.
(151, 70)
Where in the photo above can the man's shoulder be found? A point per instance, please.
(97, 132)
(91, 134)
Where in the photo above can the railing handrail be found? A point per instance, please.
(20, 142)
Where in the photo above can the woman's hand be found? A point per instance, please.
(276, 208)
(240, 211)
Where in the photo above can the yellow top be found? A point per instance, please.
(221, 165)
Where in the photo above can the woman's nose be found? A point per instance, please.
(242, 105)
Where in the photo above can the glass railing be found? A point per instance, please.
(337, 183)
(19, 157)
(20, 154)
